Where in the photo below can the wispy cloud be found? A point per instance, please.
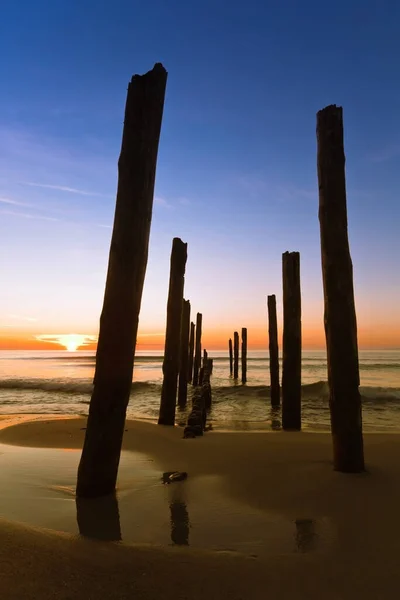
(13, 202)
(385, 154)
(61, 188)
(160, 201)
(257, 186)
(22, 318)
(24, 215)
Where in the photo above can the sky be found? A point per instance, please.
(236, 176)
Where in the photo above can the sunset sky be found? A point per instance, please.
(236, 176)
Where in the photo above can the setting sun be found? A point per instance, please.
(70, 341)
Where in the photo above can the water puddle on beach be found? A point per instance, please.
(38, 488)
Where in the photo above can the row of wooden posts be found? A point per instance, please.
(98, 468)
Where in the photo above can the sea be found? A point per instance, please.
(60, 382)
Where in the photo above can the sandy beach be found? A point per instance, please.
(346, 527)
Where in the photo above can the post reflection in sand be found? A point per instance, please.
(98, 518)
(179, 516)
(306, 536)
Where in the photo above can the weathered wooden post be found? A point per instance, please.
(98, 467)
(235, 355)
(230, 357)
(197, 353)
(205, 356)
(291, 364)
(184, 351)
(244, 354)
(173, 333)
(340, 315)
(273, 351)
(191, 353)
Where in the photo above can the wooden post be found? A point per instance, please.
(235, 355)
(340, 315)
(191, 353)
(291, 366)
(205, 356)
(98, 467)
(173, 333)
(273, 351)
(184, 351)
(230, 357)
(197, 354)
(244, 354)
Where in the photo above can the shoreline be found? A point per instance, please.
(266, 513)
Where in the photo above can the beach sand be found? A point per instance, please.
(348, 524)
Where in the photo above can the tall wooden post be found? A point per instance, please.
(184, 351)
(244, 354)
(173, 333)
(273, 351)
(191, 353)
(291, 365)
(230, 357)
(197, 353)
(340, 315)
(235, 355)
(205, 356)
(98, 467)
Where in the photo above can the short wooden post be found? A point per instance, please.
(98, 467)
(197, 353)
(291, 365)
(184, 351)
(173, 333)
(235, 355)
(230, 357)
(340, 314)
(210, 365)
(205, 356)
(191, 353)
(273, 351)
(244, 354)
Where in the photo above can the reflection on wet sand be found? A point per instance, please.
(98, 518)
(306, 535)
(275, 418)
(179, 523)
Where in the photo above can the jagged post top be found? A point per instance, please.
(156, 70)
(330, 121)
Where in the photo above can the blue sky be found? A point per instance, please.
(236, 174)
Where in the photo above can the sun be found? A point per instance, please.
(70, 341)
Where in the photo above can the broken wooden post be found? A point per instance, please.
(184, 352)
(291, 363)
(191, 353)
(273, 351)
(210, 365)
(230, 357)
(340, 314)
(98, 467)
(197, 354)
(235, 355)
(244, 354)
(173, 333)
(205, 356)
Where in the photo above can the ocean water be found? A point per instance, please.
(44, 382)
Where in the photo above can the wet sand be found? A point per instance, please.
(298, 529)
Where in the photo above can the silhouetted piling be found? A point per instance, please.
(230, 357)
(273, 351)
(191, 353)
(197, 354)
(244, 354)
(98, 467)
(173, 333)
(291, 364)
(205, 356)
(184, 352)
(235, 355)
(340, 314)
(210, 365)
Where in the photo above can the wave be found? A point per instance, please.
(316, 391)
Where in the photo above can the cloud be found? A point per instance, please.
(61, 188)
(22, 318)
(13, 202)
(257, 186)
(385, 154)
(28, 215)
(70, 341)
(159, 201)
(151, 335)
